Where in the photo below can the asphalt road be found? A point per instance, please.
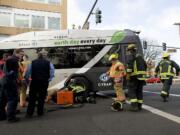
(98, 119)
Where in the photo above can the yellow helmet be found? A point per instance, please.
(165, 55)
(113, 56)
(131, 47)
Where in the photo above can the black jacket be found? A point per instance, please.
(165, 64)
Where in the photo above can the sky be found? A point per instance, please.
(154, 18)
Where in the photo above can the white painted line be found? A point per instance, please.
(158, 112)
(162, 114)
(174, 95)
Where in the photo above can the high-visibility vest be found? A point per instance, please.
(140, 73)
(165, 69)
(117, 70)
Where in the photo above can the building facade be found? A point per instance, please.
(19, 16)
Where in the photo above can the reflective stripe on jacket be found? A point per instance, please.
(139, 68)
(165, 69)
(117, 70)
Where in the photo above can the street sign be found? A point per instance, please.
(171, 50)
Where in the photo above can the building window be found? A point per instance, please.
(21, 20)
(53, 23)
(54, 2)
(38, 22)
(5, 19)
(38, 1)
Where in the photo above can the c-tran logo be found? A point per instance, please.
(104, 77)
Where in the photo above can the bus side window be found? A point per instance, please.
(104, 62)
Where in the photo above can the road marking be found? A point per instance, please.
(174, 95)
(162, 114)
(158, 112)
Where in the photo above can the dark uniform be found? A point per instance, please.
(40, 74)
(3, 99)
(166, 74)
(136, 74)
(11, 90)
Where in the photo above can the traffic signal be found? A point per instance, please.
(144, 45)
(98, 16)
(164, 46)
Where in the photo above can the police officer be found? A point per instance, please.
(41, 72)
(165, 70)
(136, 74)
(117, 72)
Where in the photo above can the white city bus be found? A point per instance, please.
(78, 54)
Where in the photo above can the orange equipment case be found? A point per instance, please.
(65, 97)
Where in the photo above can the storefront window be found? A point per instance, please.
(38, 22)
(5, 19)
(21, 20)
(53, 23)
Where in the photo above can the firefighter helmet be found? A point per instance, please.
(113, 56)
(165, 55)
(131, 47)
(117, 106)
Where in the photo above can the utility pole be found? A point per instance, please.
(91, 11)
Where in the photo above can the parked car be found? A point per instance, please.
(153, 80)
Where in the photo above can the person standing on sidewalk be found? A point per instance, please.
(41, 72)
(165, 70)
(11, 70)
(3, 98)
(23, 85)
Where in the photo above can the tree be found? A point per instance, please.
(152, 55)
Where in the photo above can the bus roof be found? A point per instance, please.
(67, 38)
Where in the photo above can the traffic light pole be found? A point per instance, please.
(166, 46)
(83, 27)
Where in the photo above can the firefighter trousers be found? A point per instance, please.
(118, 87)
(135, 92)
(166, 87)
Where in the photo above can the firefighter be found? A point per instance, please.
(136, 75)
(165, 70)
(117, 72)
